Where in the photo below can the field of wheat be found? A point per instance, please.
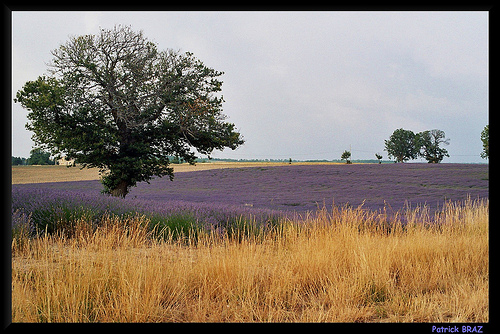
(343, 264)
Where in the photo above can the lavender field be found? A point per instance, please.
(307, 187)
(221, 196)
(149, 258)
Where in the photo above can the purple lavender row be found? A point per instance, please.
(215, 197)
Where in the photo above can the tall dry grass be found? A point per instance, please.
(337, 267)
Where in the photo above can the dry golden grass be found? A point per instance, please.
(333, 268)
(42, 174)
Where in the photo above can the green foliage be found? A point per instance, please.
(117, 103)
(18, 161)
(177, 226)
(485, 135)
(39, 157)
(405, 145)
(402, 145)
(60, 216)
(346, 155)
(429, 141)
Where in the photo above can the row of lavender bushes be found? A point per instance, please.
(41, 210)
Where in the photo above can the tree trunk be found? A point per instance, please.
(121, 189)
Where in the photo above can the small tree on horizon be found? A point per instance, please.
(346, 155)
(379, 157)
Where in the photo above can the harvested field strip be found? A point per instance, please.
(43, 174)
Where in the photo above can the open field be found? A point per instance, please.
(336, 267)
(307, 187)
(251, 245)
(42, 174)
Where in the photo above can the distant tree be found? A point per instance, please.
(402, 145)
(346, 155)
(18, 161)
(379, 157)
(115, 102)
(429, 142)
(290, 161)
(39, 157)
(177, 160)
(485, 135)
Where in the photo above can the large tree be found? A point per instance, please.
(114, 101)
(429, 142)
(402, 145)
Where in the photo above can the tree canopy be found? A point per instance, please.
(402, 145)
(405, 145)
(39, 157)
(346, 155)
(428, 143)
(485, 138)
(114, 101)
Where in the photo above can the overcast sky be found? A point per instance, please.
(304, 85)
